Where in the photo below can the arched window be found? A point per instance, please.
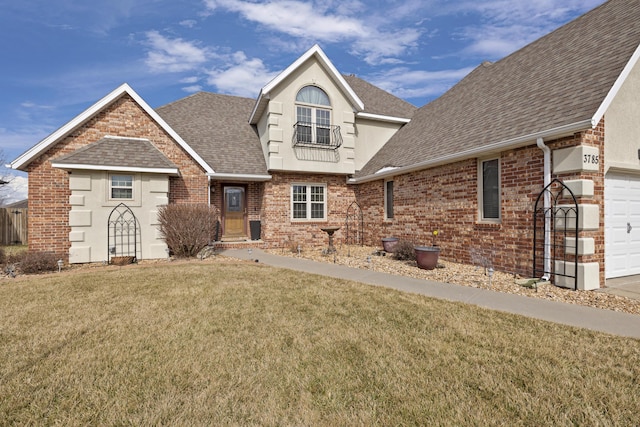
(313, 95)
(313, 116)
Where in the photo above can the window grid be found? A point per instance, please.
(308, 201)
(308, 131)
(121, 187)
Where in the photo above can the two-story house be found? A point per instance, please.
(281, 160)
(560, 113)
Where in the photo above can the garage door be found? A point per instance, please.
(622, 225)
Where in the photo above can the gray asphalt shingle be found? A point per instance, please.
(217, 128)
(378, 101)
(558, 80)
(118, 152)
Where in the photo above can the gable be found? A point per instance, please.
(22, 162)
(318, 56)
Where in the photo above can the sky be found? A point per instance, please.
(58, 57)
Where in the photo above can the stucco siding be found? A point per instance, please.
(89, 216)
(623, 127)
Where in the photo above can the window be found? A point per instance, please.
(388, 200)
(308, 201)
(489, 189)
(121, 187)
(313, 122)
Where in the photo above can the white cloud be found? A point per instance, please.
(507, 25)
(16, 142)
(241, 76)
(192, 89)
(16, 190)
(406, 83)
(189, 80)
(189, 23)
(376, 38)
(173, 55)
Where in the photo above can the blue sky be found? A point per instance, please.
(61, 56)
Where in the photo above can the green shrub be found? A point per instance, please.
(187, 229)
(36, 262)
(404, 251)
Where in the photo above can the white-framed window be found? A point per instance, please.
(121, 187)
(313, 116)
(489, 190)
(388, 199)
(309, 202)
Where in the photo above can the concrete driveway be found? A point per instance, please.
(623, 286)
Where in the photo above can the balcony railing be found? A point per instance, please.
(316, 136)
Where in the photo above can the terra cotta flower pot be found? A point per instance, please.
(427, 257)
(389, 243)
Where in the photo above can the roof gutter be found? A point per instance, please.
(238, 177)
(115, 168)
(547, 204)
(477, 152)
(382, 118)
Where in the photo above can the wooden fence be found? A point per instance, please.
(13, 226)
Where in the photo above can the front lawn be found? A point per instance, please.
(232, 343)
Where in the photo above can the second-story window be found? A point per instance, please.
(313, 116)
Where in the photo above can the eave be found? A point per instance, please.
(489, 149)
(21, 162)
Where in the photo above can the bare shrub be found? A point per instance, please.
(37, 262)
(404, 251)
(187, 229)
(3, 256)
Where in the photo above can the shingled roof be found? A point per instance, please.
(379, 102)
(556, 82)
(216, 127)
(117, 153)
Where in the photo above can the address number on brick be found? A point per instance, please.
(591, 159)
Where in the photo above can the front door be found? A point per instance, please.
(234, 212)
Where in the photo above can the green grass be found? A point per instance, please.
(224, 343)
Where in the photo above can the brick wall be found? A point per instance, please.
(279, 231)
(49, 187)
(445, 198)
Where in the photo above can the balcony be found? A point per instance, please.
(313, 135)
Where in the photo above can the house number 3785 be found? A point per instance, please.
(591, 159)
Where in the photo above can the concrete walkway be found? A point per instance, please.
(624, 286)
(611, 322)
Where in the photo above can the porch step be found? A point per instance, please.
(239, 244)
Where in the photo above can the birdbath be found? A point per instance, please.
(330, 230)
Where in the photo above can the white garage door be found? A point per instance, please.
(622, 225)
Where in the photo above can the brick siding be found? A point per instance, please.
(279, 231)
(445, 198)
(49, 187)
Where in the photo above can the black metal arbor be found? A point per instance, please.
(123, 233)
(555, 233)
(354, 225)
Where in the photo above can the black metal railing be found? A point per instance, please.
(316, 135)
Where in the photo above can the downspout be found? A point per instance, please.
(547, 204)
(208, 190)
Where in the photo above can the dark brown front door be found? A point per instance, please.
(235, 212)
